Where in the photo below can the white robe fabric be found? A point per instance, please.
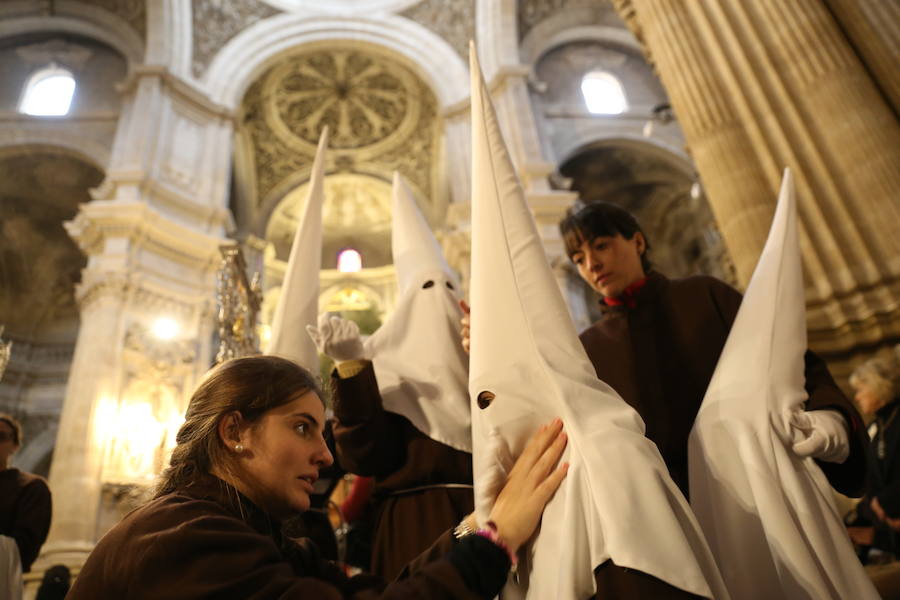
(10, 569)
(417, 354)
(298, 304)
(768, 515)
(618, 501)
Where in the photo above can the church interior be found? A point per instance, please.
(143, 143)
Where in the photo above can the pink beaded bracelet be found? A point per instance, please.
(490, 532)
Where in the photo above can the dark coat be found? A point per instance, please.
(372, 441)
(883, 455)
(25, 510)
(661, 354)
(208, 541)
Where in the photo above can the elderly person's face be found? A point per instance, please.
(867, 398)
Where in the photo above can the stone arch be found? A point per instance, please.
(536, 44)
(98, 25)
(657, 186)
(257, 48)
(59, 141)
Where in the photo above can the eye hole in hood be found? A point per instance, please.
(485, 398)
(428, 284)
(449, 285)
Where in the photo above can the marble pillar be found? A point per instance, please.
(763, 85)
(151, 235)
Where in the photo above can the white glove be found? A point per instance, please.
(337, 338)
(820, 434)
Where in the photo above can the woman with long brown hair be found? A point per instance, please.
(247, 457)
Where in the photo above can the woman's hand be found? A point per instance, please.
(530, 485)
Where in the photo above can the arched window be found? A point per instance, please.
(603, 94)
(349, 261)
(48, 93)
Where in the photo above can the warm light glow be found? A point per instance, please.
(265, 336)
(165, 328)
(349, 261)
(48, 93)
(603, 94)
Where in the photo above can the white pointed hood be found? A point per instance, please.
(769, 516)
(417, 353)
(298, 305)
(618, 500)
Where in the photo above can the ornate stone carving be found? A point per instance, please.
(56, 51)
(215, 22)
(532, 12)
(364, 101)
(141, 424)
(453, 20)
(134, 12)
(382, 118)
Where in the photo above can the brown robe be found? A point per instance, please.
(207, 541)
(25, 509)
(659, 355)
(372, 441)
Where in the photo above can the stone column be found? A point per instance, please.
(762, 85)
(151, 236)
(871, 26)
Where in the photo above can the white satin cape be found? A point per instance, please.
(769, 515)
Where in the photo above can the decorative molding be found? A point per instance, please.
(532, 12)
(133, 12)
(346, 7)
(255, 50)
(216, 22)
(59, 51)
(452, 20)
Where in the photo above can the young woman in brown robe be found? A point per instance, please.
(247, 457)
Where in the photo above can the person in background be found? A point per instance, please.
(55, 584)
(247, 457)
(25, 501)
(877, 524)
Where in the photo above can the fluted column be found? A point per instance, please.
(872, 27)
(762, 85)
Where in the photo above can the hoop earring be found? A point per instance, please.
(238, 447)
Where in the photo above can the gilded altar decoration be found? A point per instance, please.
(239, 303)
(138, 428)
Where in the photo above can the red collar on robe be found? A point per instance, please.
(628, 297)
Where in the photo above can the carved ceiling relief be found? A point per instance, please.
(215, 22)
(453, 20)
(532, 12)
(380, 115)
(134, 12)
